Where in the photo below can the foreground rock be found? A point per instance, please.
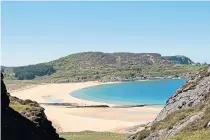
(193, 93)
(30, 124)
(186, 115)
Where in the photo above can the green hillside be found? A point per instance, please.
(105, 67)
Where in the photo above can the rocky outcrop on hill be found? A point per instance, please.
(179, 59)
(186, 115)
(30, 124)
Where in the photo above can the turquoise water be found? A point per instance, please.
(143, 92)
(52, 100)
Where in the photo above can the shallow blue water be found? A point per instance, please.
(52, 100)
(143, 92)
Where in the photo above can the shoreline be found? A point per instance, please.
(66, 119)
(74, 105)
(59, 92)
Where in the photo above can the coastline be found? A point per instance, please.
(59, 92)
(80, 119)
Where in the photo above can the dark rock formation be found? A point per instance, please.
(18, 127)
(4, 97)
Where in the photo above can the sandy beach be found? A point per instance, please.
(60, 92)
(80, 119)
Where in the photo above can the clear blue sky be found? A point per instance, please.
(34, 32)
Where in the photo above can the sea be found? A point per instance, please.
(151, 92)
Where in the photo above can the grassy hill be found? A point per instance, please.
(88, 66)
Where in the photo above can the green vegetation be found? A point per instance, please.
(29, 72)
(90, 135)
(91, 66)
(194, 131)
(142, 134)
(199, 125)
(172, 119)
(203, 134)
(167, 123)
(9, 74)
(18, 106)
(95, 66)
(197, 130)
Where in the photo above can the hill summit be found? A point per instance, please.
(123, 58)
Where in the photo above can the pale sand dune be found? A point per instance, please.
(79, 119)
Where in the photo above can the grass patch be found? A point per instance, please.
(167, 123)
(203, 134)
(91, 135)
(197, 130)
(19, 84)
(172, 119)
(141, 135)
(201, 124)
(19, 107)
(18, 104)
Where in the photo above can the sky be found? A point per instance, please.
(34, 32)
